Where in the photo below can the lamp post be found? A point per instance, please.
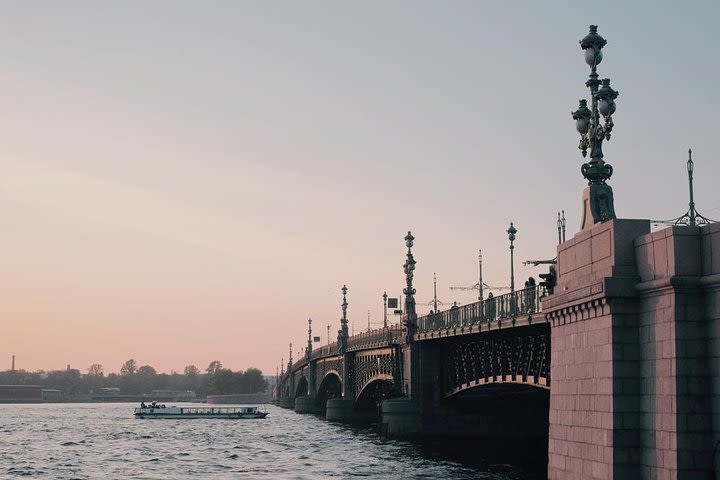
(480, 280)
(385, 297)
(593, 132)
(347, 389)
(692, 217)
(308, 353)
(328, 334)
(343, 322)
(561, 227)
(511, 236)
(409, 291)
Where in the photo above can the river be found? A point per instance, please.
(105, 441)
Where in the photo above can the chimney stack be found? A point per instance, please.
(13, 364)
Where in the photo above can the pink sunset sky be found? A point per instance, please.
(188, 182)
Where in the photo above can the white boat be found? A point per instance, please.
(161, 411)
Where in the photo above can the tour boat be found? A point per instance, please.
(161, 411)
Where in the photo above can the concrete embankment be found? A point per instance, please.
(240, 398)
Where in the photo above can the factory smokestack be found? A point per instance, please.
(13, 364)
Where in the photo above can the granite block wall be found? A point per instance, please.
(636, 354)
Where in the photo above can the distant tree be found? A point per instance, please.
(214, 367)
(191, 371)
(145, 379)
(69, 381)
(95, 370)
(224, 381)
(253, 381)
(146, 370)
(129, 367)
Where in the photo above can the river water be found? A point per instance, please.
(99, 441)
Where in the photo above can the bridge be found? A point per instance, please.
(499, 340)
(498, 348)
(612, 374)
(617, 367)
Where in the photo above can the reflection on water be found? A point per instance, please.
(91, 441)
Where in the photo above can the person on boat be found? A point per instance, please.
(142, 405)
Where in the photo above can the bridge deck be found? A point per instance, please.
(479, 327)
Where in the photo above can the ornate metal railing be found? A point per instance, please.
(514, 304)
(380, 337)
(298, 365)
(325, 351)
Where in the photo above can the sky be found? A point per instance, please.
(183, 182)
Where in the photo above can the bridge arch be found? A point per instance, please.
(302, 387)
(330, 387)
(376, 389)
(502, 383)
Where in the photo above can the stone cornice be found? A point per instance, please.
(579, 311)
(680, 281)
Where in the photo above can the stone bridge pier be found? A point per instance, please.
(636, 335)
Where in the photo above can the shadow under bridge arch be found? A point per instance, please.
(330, 387)
(375, 390)
(302, 387)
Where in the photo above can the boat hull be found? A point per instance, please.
(230, 413)
(207, 415)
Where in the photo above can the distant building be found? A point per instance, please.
(21, 393)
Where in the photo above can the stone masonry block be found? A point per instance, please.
(601, 246)
(684, 256)
(645, 258)
(715, 247)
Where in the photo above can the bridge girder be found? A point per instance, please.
(517, 356)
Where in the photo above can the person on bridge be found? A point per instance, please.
(491, 306)
(530, 295)
(454, 314)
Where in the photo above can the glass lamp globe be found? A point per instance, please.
(582, 117)
(593, 56)
(606, 107)
(582, 125)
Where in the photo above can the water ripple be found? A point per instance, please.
(89, 441)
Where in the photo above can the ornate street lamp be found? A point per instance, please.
(344, 334)
(593, 132)
(308, 352)
(409, 291)
(385, 297)
(511, 236)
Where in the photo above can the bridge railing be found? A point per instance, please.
(377, 337)
(298, 364)
(325, 351)
(520, 302)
